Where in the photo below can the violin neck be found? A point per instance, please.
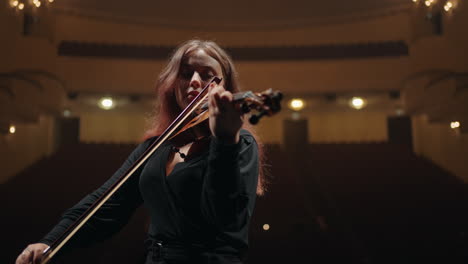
(237, 97)
(243, 95)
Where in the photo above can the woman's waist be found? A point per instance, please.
(184, 245)
(188, 246)
(191, 252)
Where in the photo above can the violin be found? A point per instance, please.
(257, 104)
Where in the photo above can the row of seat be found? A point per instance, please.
(359, 203)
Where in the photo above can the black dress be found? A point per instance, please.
(200, 212)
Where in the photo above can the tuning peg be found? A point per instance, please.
(254, 119)
(244, 108)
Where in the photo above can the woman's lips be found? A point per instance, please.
(192, 94)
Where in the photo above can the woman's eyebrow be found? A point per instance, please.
(199, 67)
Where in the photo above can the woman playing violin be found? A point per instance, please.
(199, 188)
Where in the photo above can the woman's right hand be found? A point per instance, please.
(32, 254)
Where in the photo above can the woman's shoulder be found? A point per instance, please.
(143, 145)
(147, 141)
(247, 135)
(245, 132)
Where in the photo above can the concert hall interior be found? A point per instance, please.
(367, 159)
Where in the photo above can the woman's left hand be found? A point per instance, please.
(225, 119)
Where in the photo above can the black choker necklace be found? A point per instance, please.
(182, 155)
(177, 150)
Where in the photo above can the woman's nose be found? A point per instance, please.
(196, 81)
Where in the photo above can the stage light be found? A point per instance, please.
(66, 113)
(400, 112)
(106, 103)
(296, 104)
(454, 124)
(357, 103)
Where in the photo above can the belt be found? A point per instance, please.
(186, 251)
(161, 249)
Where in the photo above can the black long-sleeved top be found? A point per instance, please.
(206, 200)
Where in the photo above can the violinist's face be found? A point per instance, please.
(195, 72)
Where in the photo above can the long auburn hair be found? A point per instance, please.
(167, 108)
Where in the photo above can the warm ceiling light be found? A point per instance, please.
(296, 104)
(20, 6)
(266, 227)
(428, 3)
(454, 124)
(38, 4)
(50, 1)
(448, 6)
(12, 129)
(106, 103)
(66, 113)
(357, 102)
(14, 3)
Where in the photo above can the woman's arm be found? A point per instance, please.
(112, 216)
(230, 182)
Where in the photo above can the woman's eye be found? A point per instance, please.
(207, 76)
(186, 74)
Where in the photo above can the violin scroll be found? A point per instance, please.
(266, 103)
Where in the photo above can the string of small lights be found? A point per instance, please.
(21, 5)
(448, 5)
